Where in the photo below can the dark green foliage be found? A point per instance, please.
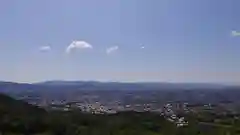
(20, 117)
(17, 117)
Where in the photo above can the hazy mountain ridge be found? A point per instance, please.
(158, 84)
(95, 85)
(164, 92)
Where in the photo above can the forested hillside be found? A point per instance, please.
(19, 118)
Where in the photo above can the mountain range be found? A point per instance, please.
(95, 85)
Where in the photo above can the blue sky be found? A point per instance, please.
(184, 41)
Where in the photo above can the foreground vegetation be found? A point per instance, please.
(17, 117)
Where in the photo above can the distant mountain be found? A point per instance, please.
(55, 86)
(60, 82)
(190, 92)
(125, 85)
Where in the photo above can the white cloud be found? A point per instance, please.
(143, 47)
(235, 33)
(78, 45)
(45, 48)
(112, 49)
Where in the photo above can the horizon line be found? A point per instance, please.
(167, 82)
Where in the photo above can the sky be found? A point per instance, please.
(120, 40)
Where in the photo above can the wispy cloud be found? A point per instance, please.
(112, 49)
(78, 45)
(143, 47)
(235, 33)
(45, 48)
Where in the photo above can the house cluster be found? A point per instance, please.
(170, 115)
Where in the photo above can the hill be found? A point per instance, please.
(8, 87)
(20, 117)
(12, 106)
